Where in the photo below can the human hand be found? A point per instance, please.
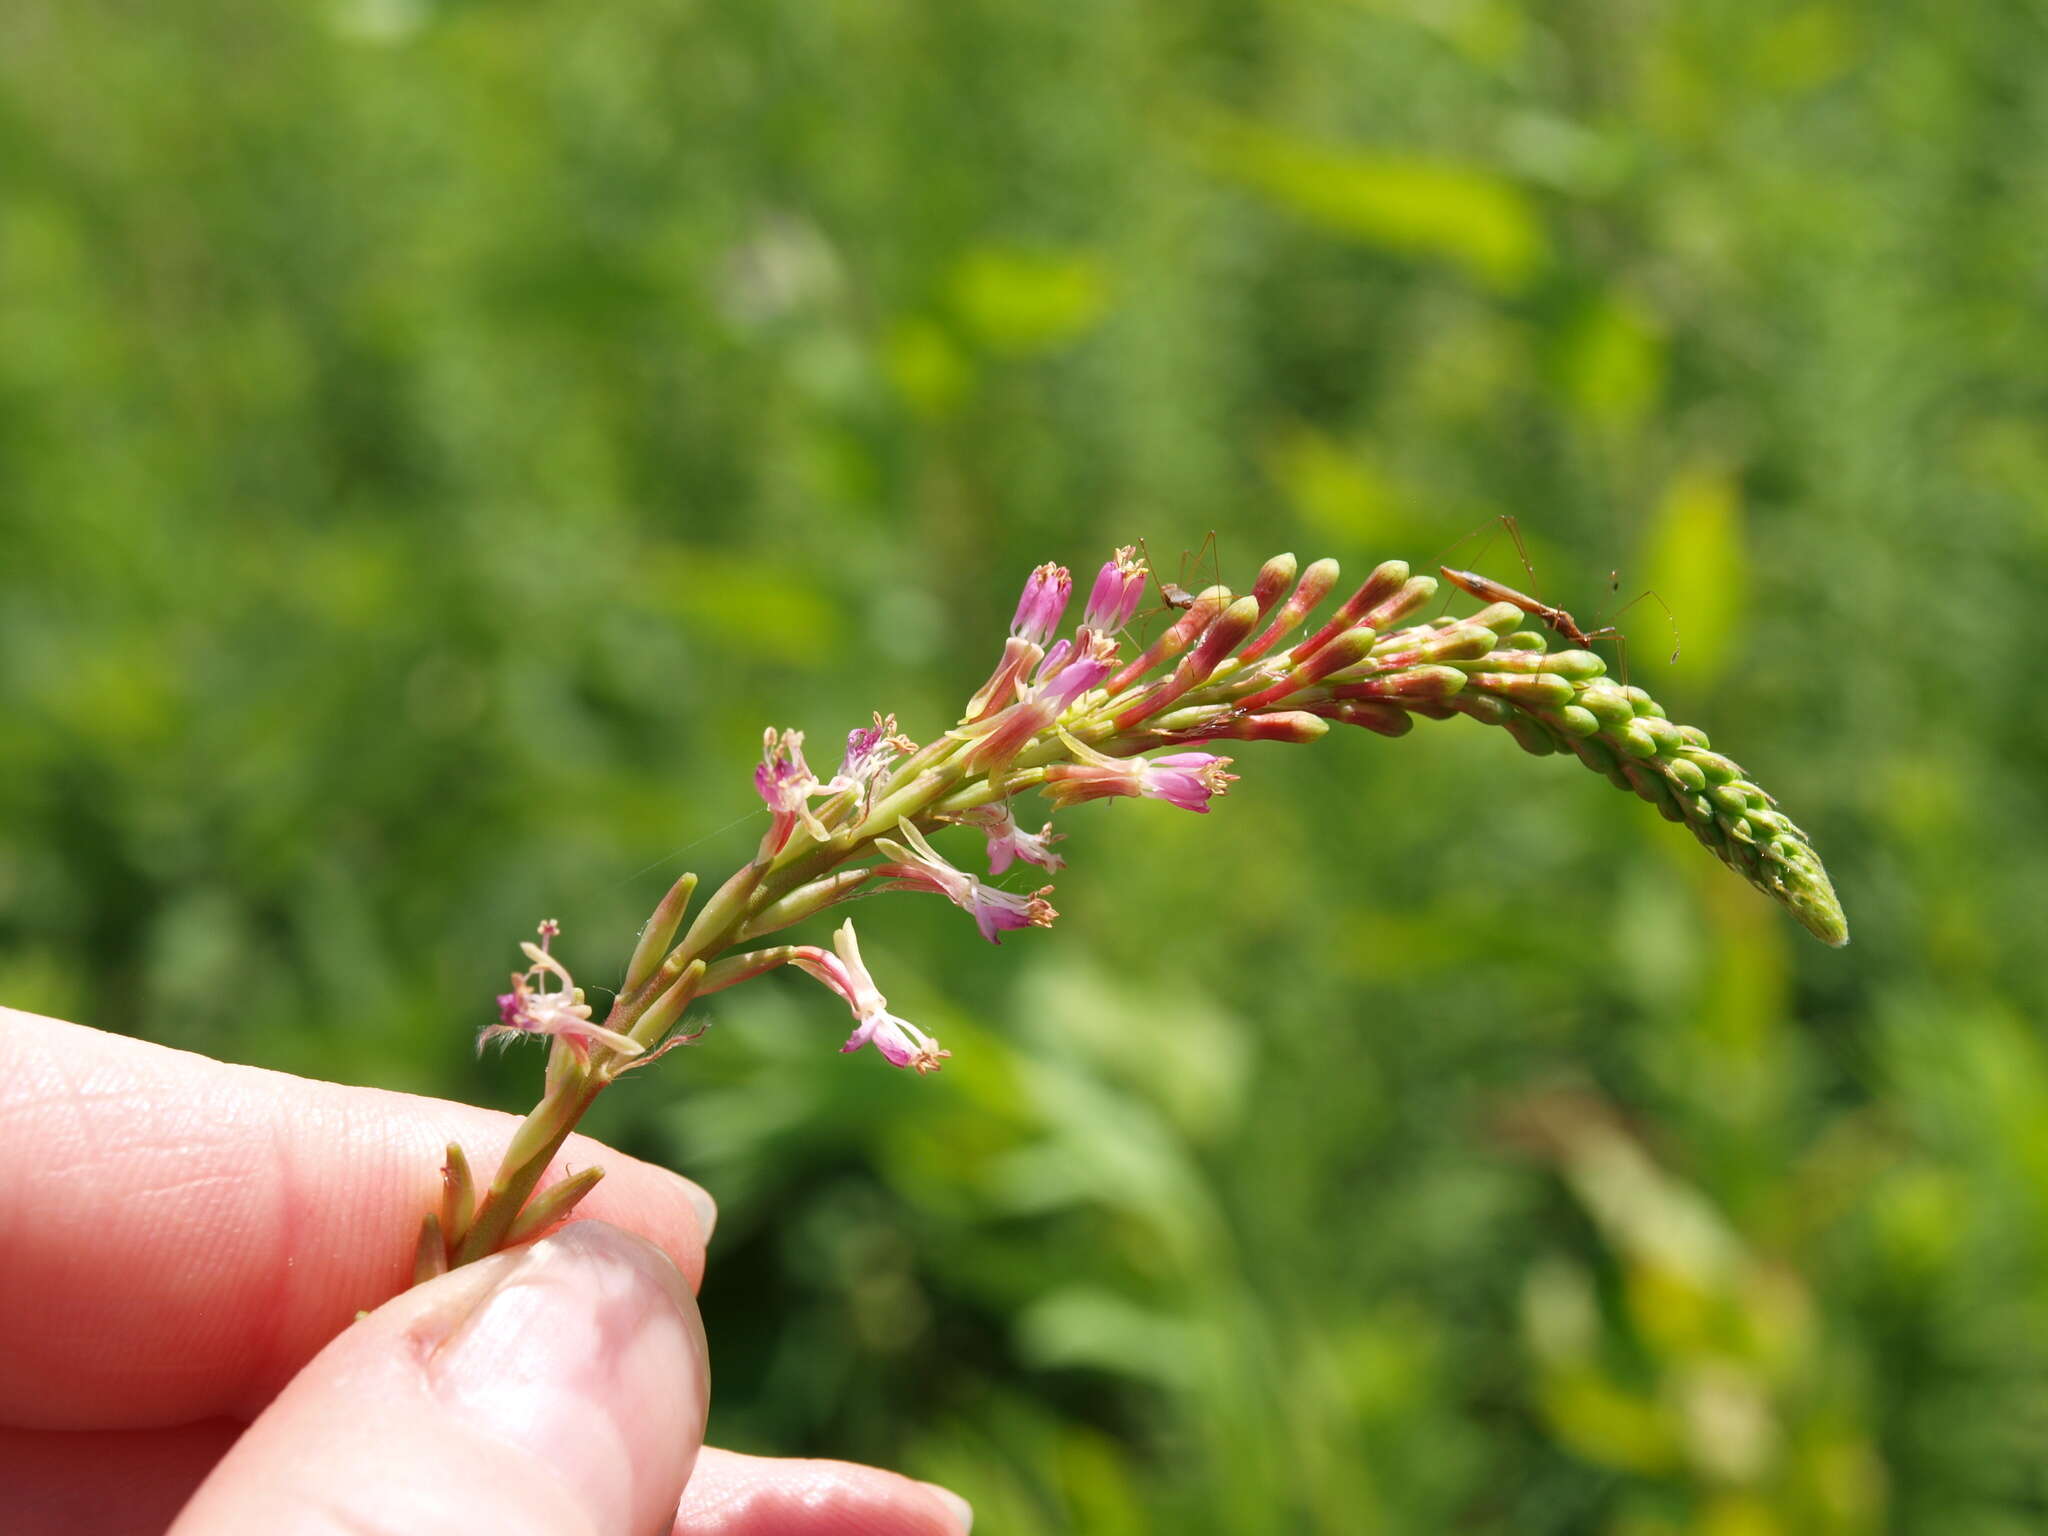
(186, 1243)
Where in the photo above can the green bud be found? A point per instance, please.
(1718, 769)
(1501, 618)
(1485, 708)
(1687, 773)
(1608, 702)
(1649, 784)
(430, 1251)
(1596, 755)
(1634, 740)
(1572, 721)
(1541, 690)
(1529, 734)
(458, 1195)
(1581, 666)
(1524, 640)
(551, 1205)
(1662, 732)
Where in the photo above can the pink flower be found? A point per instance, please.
(1068, 672)
(1119, 588)
(919, 868)
(531, 1009)
(1185, 779)
(1008, 842)
(869, 754)
(1043, 603)
(786, 782)
(901, 1042)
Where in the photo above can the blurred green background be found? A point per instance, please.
(435, 439)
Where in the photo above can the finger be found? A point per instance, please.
(733, 1495)
(181, 1236)
(122, 1482)
(553, 1390)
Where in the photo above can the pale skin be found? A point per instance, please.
(187, 1245)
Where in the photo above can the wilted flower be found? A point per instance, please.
(1185, 779)
(786, 782)
(531, 1009)
(1008, 842)
(869, 754)
(920, 868)
(901, 1042)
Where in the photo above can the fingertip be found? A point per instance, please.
(957, 1509)
(704, 1206)
(560, 1386)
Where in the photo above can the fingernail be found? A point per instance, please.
(705, 1207)
(961, 1511)
(586, 1351)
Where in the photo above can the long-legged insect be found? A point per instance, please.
(1171, 594)
(1487, 590)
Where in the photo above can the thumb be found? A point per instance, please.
(560, 1388)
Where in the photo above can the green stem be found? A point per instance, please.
(534, 1145)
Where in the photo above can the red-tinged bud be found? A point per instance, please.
(1454, 642)
(1274, 576)
(1178, 637)
(1385, 582)
(1386, 719)
(1218, 641)
(1295, 726)
(1425, 682)
(1314, 586)
(1344, 651)
(1414, 593)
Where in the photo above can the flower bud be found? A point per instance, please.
(1385, 582)
(1314, 586)
(1290, 725)
(1274, 576)
(1385, 719)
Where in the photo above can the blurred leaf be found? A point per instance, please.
(1612, 361)
(927, 369)
(1339, 491)
(1410, 204)
(1079, 1327)
(1696, 563)
(1026, 302)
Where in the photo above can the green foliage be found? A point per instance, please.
(435, 439)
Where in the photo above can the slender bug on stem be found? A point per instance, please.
(1171, 594)
(1487, 590)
